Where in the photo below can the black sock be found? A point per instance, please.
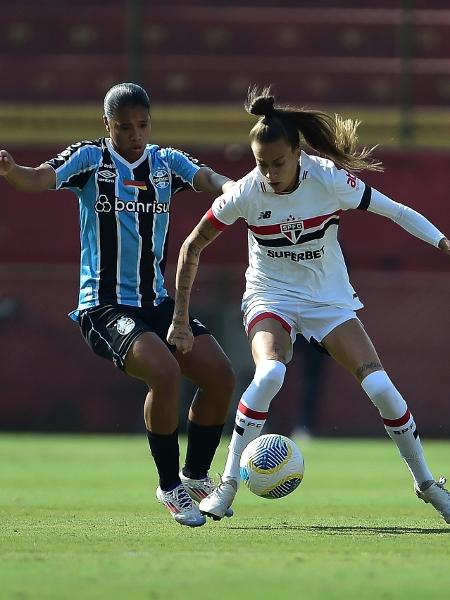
(201, 447)
(166, 454)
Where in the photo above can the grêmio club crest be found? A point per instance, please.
(292, 229)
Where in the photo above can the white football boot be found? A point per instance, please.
(198, 489)
(180, 505)
(218, 502)
(436, 494)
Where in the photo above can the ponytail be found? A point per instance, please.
(331, 137)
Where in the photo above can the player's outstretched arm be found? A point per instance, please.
(207, 180)
(180, 334)
(26, 179)
(412, 221)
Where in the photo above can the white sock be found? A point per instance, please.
(398, 422)
(252, 411)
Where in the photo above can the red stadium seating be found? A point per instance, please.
(178, 77)
(204, 54)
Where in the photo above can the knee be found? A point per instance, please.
(167, 374)
(163, 375)
(218, 378)
(151, 361)
(384, 395)
(377, 384)
(269, 376)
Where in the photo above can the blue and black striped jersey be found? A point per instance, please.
(124, 218)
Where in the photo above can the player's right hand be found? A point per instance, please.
(6, 162)
(180, 336)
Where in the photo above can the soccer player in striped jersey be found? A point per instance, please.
(124, 187)
(297, 281)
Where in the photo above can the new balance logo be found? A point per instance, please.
(265, 214)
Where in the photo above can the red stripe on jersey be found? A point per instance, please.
(134, 183)
(265, 229)
(268, 315)
(398, 422)
(215, 221)
(316, 221)
(252, 414)
(307, 223)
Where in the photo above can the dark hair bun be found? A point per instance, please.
(262, 106)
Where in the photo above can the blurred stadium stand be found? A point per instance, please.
(210, 52)
(390, 66)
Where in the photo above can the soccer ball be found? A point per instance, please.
(272, 466)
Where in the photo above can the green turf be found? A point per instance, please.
(78, 519)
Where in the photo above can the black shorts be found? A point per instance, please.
(110, 329)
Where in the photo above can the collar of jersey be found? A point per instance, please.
(122, 159)
(269, 189)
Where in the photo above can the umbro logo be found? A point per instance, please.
(265, 214)
(106, 174)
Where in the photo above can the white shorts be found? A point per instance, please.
(313, 321)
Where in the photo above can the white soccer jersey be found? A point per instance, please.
(292, 238)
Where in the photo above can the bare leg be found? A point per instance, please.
(150, 360)
(352, 348)
(209, 368)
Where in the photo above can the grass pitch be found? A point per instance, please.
(79, 519)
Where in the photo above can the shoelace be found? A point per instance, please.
(221, 482)
(209, 483)
(184, 499)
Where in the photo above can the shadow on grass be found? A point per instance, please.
(352, 529)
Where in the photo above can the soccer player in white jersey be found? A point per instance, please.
(297, 281)
(124, 187)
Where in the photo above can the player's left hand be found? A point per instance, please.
(180, 335)
(7, 162)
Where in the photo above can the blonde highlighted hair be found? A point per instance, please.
(330, 136)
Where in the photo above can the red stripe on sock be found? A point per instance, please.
(252, 414)
(398, 422)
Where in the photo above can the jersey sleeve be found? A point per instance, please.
(226, 209)
(412, 221)
(184, 168)
(74, 165)
(350, 191)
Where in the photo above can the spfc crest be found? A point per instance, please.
(292, 229)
